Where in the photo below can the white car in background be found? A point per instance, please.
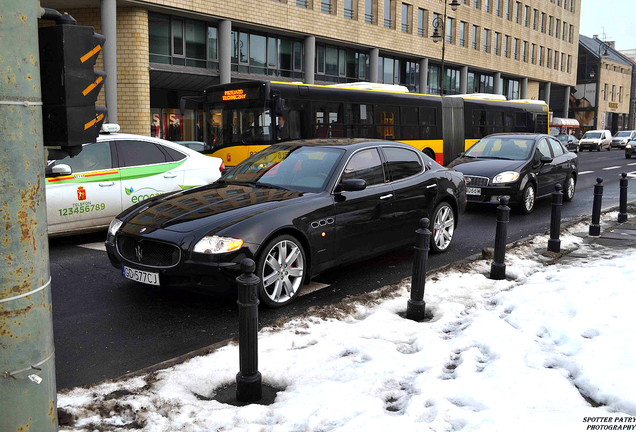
(84, 193)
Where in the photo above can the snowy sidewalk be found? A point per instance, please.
(552, 348)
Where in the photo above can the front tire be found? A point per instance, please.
(443, 227)
(569, 189)
(527, 199)
(628, 156)
(281, 267)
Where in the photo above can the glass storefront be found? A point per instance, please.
(169, 124)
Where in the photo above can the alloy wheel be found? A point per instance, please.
(443, 227)
(282, 273)
(528, 199)
(569, 189)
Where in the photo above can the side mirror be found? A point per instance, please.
(546, 160)
(60, 170)
(351, 185)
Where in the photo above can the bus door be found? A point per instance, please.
(453, 127)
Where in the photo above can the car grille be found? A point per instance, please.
(475, 181)
(148, 252)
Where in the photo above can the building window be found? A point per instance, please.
(532, 53)
(571, 5)
(476, 4)
(540, 56)
(571, 32)
(369, 15)
(511, 88)
(508, 9)
(325, 6)
(348, 9)
(506, 48)
(335, 64)
(486, 38)
(565, 26)
(498, 8)
(542, 22)
(524, 51)
(518, 12)
(562, 61)
(569, 61)
(565, 4)
(550, 25)
(406, 13)
(422, 21)
(535, 18)
(605, 92)
(556, 59)
(620, 94)
(462, 33)
(497, 43)
(475, 36)
(266, 55)
(526, 16)
(449, 30)
(487, 5)
(176, 41)
(389, 14)
(515, 47)
(557, 29)
(301, 3)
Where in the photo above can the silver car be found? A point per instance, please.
(621, 138)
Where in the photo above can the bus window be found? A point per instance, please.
(498, 121)
(480, 128)
(428, 120)
(359, 120)
(245, 126)
(509, 120)
(288, 125)
(521, 119)
(327, 120)
(386, 119)
(410, 123)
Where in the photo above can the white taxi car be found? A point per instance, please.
(84, 193)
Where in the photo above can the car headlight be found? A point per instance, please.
(114, 226)
(624, 141)
(217, 245)
(628, 146)
(506, 177)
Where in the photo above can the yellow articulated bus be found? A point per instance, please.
(246, 117)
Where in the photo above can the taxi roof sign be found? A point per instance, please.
(110, 128)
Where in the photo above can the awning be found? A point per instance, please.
(181, 78)
(557, 121)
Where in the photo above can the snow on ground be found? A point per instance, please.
(545, 350)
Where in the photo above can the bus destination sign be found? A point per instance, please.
(230, 95)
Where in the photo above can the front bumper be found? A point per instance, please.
(586, 146)
(197, 272)
(492, 193)
(618, 144)
(630, 151)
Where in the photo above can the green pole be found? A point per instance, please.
(27, 368)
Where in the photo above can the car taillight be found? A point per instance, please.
(222, 167)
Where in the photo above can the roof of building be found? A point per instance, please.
(593, 46)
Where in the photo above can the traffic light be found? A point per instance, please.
(70, 85)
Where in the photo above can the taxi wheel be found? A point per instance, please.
(281, 267)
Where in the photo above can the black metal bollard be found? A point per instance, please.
(622, 206)
(554, 243)
(248, 380)
(595, 226)
(416, 305)
(498, 266)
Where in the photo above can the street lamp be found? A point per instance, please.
(454, 4)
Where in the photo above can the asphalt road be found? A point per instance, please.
(106, 326)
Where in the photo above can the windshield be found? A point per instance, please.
(250, 124)
(623, 134)
(305, 169)
(501, 148)
(592, 135)
(562, 138)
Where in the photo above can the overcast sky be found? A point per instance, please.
(616, 16)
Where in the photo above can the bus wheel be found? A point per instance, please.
(428, 152)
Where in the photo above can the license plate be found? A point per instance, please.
(140, 275)
(473, 191)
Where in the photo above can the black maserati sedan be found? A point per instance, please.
(297, 209)
(522, 167)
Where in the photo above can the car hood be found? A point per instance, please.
(485, 167)
(212, 206)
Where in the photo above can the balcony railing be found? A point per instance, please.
(516, 56)
(506, 53)
(368, 18)
(405, 28)
(420, 32)
(497, 51)
(388, 23)
(462, 42)
(325, 8)
(486, 48)
(301, 3)
(449, 39)
(475, 45)
(348, 13)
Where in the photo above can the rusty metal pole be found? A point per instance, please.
(27, 369)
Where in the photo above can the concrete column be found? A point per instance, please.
(225, 51)
(566, 101)
(423, 75)
(524, 88)
(463, 80)
(497, 83)
(547, 89)
(374, 57)
(310, 58)
(109, 30)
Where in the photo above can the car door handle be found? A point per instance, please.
(169, 175)
(431, 186)
(386, 196)
(106, 184)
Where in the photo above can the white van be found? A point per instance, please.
(596, 140)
